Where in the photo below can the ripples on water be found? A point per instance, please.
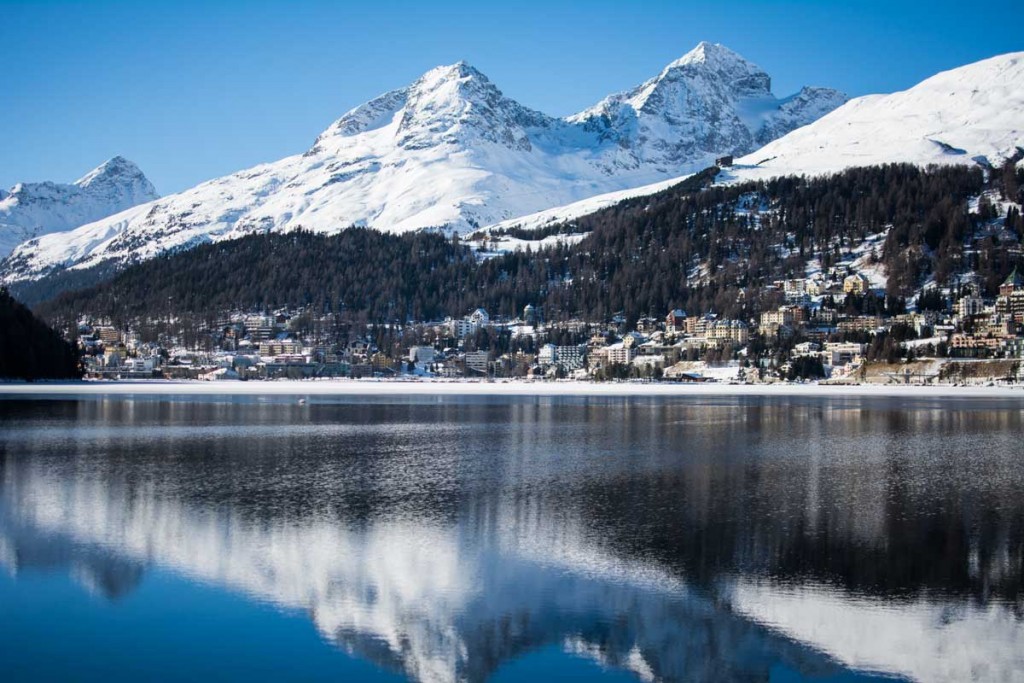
(708, 540)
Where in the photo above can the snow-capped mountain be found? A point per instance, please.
(451, 151)
(709, 100)
(970, 115)
(33, 209)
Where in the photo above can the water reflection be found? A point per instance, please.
(680, 541)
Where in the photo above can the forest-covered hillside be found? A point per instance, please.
(29, 349)
(693, 246)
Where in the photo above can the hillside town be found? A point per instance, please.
(831, 327)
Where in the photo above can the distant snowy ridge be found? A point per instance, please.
(451, 151)
(970, 115)
(973, 114)
(33, 209)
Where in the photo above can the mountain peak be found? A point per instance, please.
(460, 69)
(118, 181)
(716, 62)
(709, 102)
(457, 103)
(460, 76)
(434, 102)
(115, 167)
(33, 209)
(709, 53)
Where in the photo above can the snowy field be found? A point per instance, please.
(480, 388)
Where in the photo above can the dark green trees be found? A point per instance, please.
(29, 349)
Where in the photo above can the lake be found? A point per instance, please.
(511, 539)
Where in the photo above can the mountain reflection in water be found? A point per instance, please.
(680, 540)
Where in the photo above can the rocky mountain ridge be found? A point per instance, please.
(450, 151)
(30, 210)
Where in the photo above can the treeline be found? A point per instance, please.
(414, 276)
(29, 349)
(691, 246)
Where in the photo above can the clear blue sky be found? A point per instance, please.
(194, 90)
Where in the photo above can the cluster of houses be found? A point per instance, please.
(839, 280)
(110, 353)
(991, 329)
(267, 346)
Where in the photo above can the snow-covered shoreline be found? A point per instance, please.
(481, 388)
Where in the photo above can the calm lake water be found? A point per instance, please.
(518, 539)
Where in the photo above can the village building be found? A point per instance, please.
(422, 355)
(1014, 282)
(280, 348)
(856, 283)
(476, 362)
(771, 321)
(969, 306)
(565, 357)
(675, 321)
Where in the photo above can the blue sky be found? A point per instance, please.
(194, 90)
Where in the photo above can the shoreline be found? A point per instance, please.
(367, 387)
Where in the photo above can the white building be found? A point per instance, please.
(468, 326)
(461, 329)
(480, 318)
(565, 357)
(794, 290)
(806, 348)
(421, 354)
(842, 353)
(477, 361)
(140, 364)
(970, 305)
(547, 355)
(620, 354)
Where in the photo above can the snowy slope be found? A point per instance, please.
(973, 114)
(33, 209)
(451, 151)
(568, 212)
